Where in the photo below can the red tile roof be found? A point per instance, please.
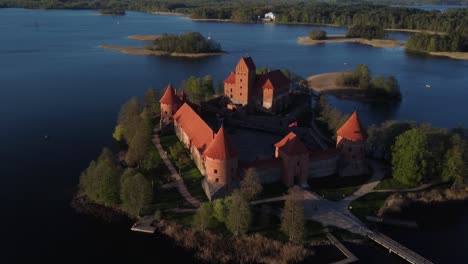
(249, 62)
(221, 148)
(273, 79)
(199, 133)
(352, 129)
(169, 97)
(231, 78)
(291, 144)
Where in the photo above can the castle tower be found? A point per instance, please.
(221, 160)
(240, 84)
(170, 103)
(295, 158)
(351, 143)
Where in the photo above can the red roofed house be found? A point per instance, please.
(269, 91)
(170, 103)
(295, 158)
(351, 143)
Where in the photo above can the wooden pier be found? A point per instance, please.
(397, 248)
(350, 257)
(144, 225)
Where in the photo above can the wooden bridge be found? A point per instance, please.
(397, 248)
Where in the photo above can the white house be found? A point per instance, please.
(270, 16)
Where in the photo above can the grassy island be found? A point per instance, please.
(357, 84)
(191, 45)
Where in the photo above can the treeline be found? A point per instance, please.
(453, 42)
(366, 31)
(192, 42)
(377, 87)
(345, 14)
(201, 89)
(421, 153)
(123, 181)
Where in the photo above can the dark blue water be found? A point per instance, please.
(55, 80)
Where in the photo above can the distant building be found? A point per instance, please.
(270, 16)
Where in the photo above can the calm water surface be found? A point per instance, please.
(55, 80)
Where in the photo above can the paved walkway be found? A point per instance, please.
(419, 188)
(174, 175)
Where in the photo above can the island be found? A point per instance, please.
(356, 85)
(367, 35)
(191, 45)
(453, 45)
(114, 11)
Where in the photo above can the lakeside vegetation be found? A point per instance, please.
(116, 11)
(343, 14)
(423, 42)
(366, 31)
(192, 42)
(381, 87)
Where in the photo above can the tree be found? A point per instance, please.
(179, 156)
(292, 215)
(454, 165)
(221, 208)
(250, 186)
(152, 159)
(318, 34)
(136, 194)
(203, 218)
(151, 103)
(100, 181)
(138, 149)
(409, 157)
(129, 118)
(238, 219)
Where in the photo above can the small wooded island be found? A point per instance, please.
(453, 44)
(357, 85)
(114, 11)
(192, 44)
(364, 34)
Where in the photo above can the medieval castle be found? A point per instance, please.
(292, 161)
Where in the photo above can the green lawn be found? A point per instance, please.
(335, 188)
(368, 204)
(191, 175)
(392, 184)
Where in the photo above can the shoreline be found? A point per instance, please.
(145, 37)
(380, 43)
(452, 55)
(143, 51)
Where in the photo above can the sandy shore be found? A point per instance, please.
(325, 83)
(167, 13)
(146, 52)
(381, 43)
(453, 55)
(145, 37)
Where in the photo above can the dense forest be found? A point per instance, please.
(452, 42)
(295, 11)
(192, 42)
(366, 31)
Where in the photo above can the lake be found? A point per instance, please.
(56, 81)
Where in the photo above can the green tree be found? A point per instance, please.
(409, 157)
(152, 159)
(292, 215)
(151, 103)
(179, 155)
(238, 219)
(203, 218)
(250, 186)
(100, 181)
(129, 118)
(454, 164)
(221, 208)
(318, 34)
(138, 148)
(136, 194)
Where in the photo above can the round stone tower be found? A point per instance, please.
(351, 143)
(170, 103)
(221, 160)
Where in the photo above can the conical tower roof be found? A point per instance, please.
(352, 129)
(169, 97)
(221, 147)
(292, 145)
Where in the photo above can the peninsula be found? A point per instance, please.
(191, 45)
(381, 43)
